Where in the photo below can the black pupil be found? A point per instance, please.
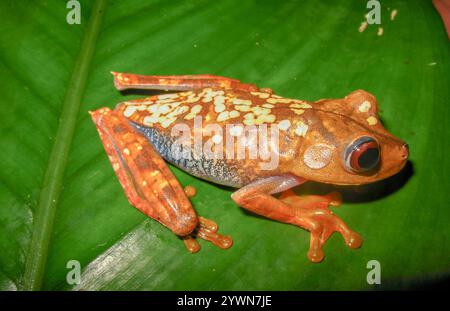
(369, 159)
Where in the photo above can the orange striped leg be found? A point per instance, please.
(123, 81)
(308, 212)
(149, 184)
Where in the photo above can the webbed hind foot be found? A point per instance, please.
(206, 230)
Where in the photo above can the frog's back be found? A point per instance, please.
(217, 113)
(215, 106)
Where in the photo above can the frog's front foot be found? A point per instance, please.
(309, 212)
(206, 230)
(312, 213)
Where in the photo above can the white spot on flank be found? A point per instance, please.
(365, 106)
(219, 107)
(234, 114)
(249, 116)
(153, 108)
(284, 125)
(372, 120)
(260, 111)
(191, 100)
(242, 108)
(165, 101)
(238, 101)
(128, 112)
(126, 151)
(298, 111)
(167, 96)
(249, 121)
(266, 118)
(260, 94)
(301, 129)
(166, 122)
(207, 99)
(277, 100)
(210, 93)
(223, 116)
(177, 111)
(194, 110)
(164, 109)
(150, 120)
(301, 105)
(219, 100)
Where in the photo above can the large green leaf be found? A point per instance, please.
(60, 200)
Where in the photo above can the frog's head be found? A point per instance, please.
(346, 144)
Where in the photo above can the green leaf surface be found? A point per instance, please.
(60, 199)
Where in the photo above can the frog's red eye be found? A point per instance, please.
(362, 155)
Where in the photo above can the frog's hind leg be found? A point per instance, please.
(309, 212)
(124, 81)
(148, 182)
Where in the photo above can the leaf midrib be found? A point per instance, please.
(56, 166)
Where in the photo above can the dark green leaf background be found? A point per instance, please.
(60, 200)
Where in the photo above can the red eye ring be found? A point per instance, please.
(362, 155)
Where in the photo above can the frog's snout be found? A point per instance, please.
(405, 151)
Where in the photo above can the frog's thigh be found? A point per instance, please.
(123, 81)
(148, 183)
(309, 212)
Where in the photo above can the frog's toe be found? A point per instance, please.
(191, 244)
(315, 252)
(353, 240)
(316, 255)
(313, 214)
(190, 191)
(334, 198)
(207, 230)
(322, 227)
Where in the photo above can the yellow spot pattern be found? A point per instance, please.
(214, 105)
(372, 120)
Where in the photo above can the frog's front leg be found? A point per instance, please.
(309, 212)
(149, 184)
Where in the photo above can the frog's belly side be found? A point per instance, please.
(214, 170)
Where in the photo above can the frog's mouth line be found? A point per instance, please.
(360, 193)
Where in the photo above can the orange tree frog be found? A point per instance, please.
(336, 141)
